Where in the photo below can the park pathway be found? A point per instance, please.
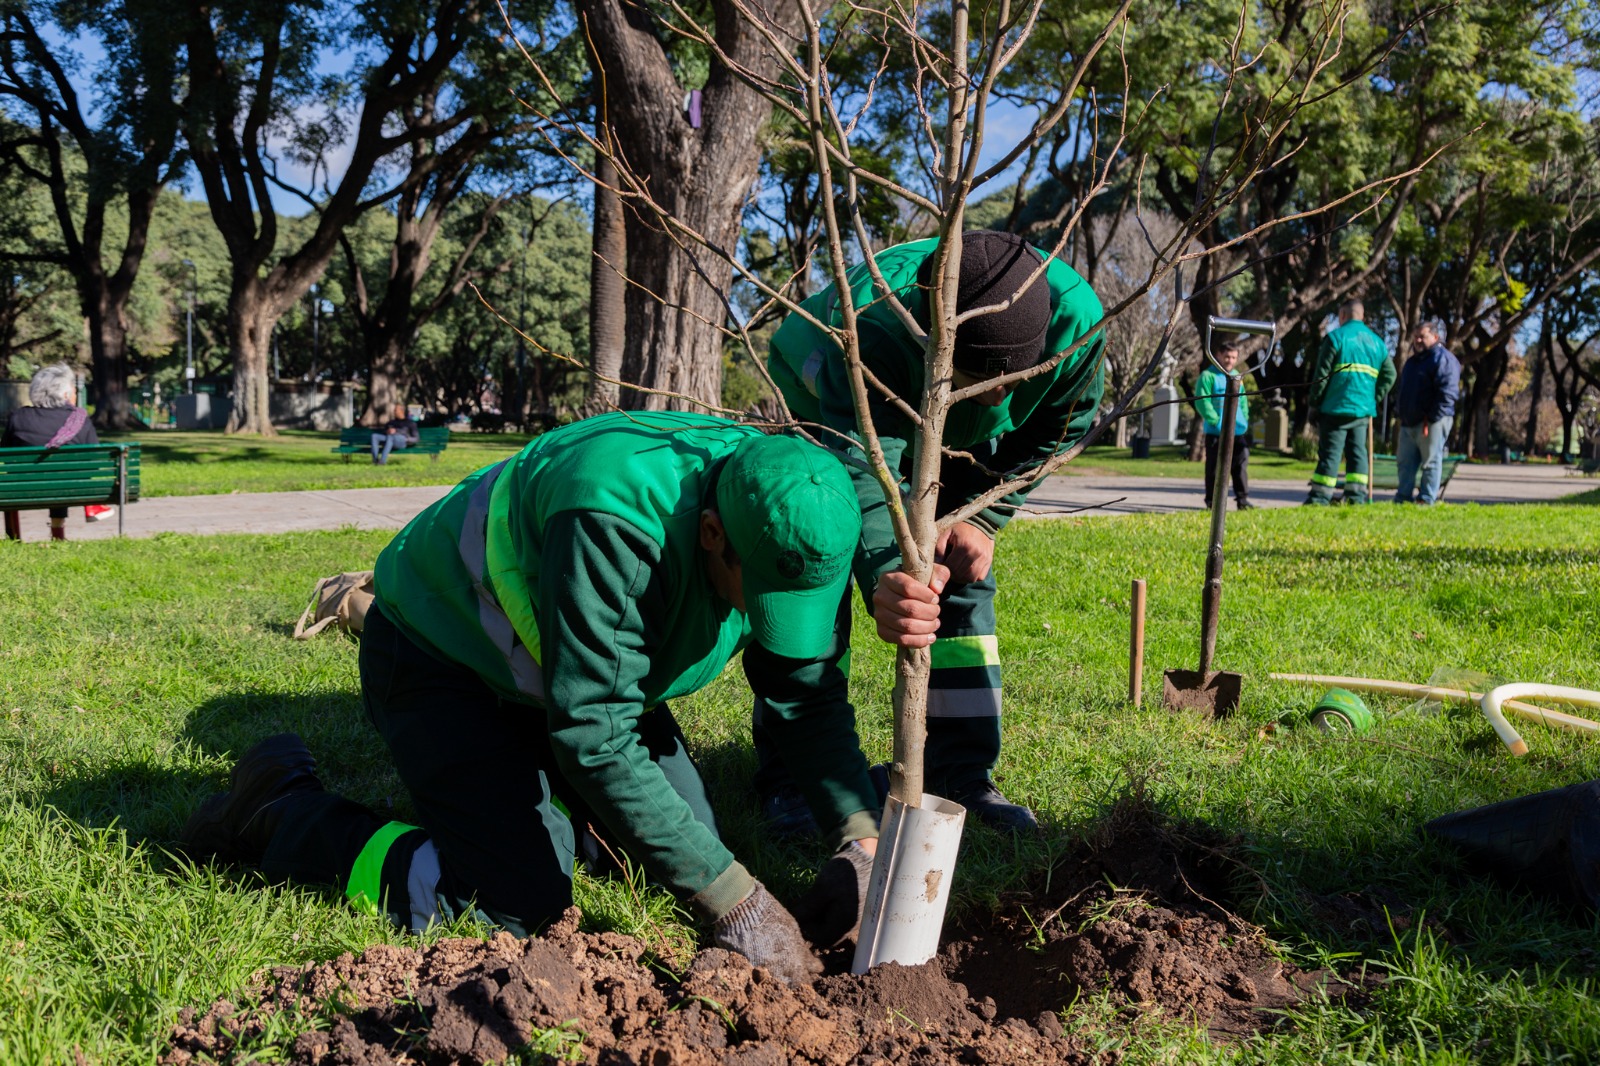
(285, 512)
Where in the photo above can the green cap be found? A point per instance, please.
(791, 513)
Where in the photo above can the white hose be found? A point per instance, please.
(1503, 705)
(1493, 699)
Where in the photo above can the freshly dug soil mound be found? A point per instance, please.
(1138, 911)
(993, 996)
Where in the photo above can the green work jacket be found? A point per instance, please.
(1040, 416)
(570, 577)
(1353, 372)
(1211, 396)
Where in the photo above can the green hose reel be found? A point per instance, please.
(1341, 711)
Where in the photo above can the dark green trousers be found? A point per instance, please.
(491, 807)
(964, 685)
(1340, 439)
(963, 696)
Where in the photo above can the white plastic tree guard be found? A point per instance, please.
(910, 884)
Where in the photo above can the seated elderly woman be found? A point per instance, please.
(53, 420)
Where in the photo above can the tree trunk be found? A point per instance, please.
(697, 176)
(108, 361)
(250, 321)
(673, 340)
(607, 290)
(386, 380)
(1487, 373)
(1541, 356)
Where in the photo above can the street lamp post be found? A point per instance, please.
(188, 360)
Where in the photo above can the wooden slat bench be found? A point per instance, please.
(32, 479)
(1386, 471)
(357, 440)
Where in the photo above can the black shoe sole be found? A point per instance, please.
(277, 767)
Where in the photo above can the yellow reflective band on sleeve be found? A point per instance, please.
(504, 572)
(952, 652)
(1356, 479)
(363, 889)
(1356, 368)
(1324, 480)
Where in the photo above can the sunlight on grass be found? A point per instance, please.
(199, 464)
(131, 672)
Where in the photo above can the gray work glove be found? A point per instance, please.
(831, 909)
(766, 934)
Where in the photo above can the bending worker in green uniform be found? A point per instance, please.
(1352, 375)
(527, 632)
(1004, 429)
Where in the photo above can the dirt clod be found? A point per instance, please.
(1162, 940)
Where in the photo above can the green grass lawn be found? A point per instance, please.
(1172, 462)
(205, 463)
(130, 670)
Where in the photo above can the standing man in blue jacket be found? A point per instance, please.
(1210, 396)
(1430, 383)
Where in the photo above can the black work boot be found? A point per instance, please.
(786, 813)
(986, 803)
(237, 825)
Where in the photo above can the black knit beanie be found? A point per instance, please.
(994, 266)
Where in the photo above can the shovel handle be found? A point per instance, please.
(1211, 593)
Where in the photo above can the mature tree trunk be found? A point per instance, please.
(388, 329)
(1541, 356)
(608, 290)
(697, 177)
(108, 364)
(387, 382)
(251, 316)
(1564, 404)
(1488, 370)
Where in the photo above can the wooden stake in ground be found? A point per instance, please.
(1371, 458)
(1136, 645)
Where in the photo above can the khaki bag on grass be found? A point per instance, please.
(343, 598)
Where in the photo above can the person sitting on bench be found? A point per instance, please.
(398, 433)
(53, 420)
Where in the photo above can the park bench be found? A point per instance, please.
(357, 440)
(1385, 472)
(32, 479)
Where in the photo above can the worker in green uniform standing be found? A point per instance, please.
(1352, 375)
(1006, 428)
(527, 633)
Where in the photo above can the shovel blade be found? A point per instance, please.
(1215, 694)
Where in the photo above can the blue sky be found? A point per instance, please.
(1006, 123)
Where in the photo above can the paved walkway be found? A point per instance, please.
(1534, 483)
(284, 512)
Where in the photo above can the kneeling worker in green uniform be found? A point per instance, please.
(1004, 428)
(527, 632)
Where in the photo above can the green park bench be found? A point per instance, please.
(357, 440)
(1385, 473)
(33, 479)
